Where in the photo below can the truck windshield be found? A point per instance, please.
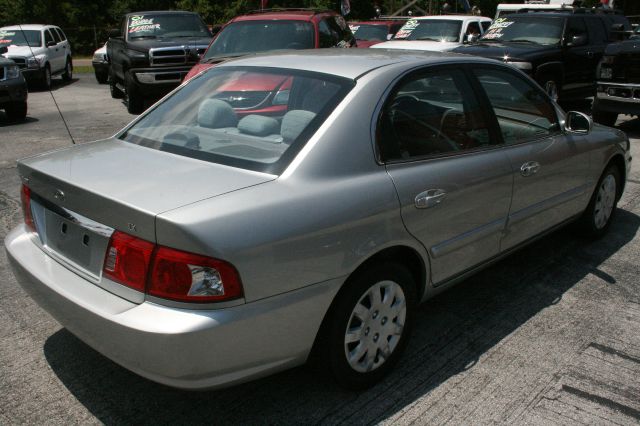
(20, 38)
(260, 36)
(525, 29)
(430, 30)
(247, 117)
(166, 25)
(369, 32)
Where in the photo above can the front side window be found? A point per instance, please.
(576, 28)
(525, 29)
(522, 110)
(328, 36)
(19, 37)
(431, 114)
(165, 25)
(245, 37)
(248, 117)
(430, 30)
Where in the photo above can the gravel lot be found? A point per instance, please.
(549, 335)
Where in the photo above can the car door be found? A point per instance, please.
(578, 55)
(549, 167)
(453, 181)
(64, 43)
(55, 51)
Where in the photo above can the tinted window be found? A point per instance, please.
(522, 110)
(485, 25)
(370, 32)
(61, 34)
(328, 37)
(55, 35)
(261, 36)
(430, 114)
(20, 38)
(430, 29)
(525, 29)
(246, 117)
(598, 31)
(575, 27)
(47, 37)
(339, 27)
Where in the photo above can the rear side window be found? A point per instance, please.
(61, 34)
(55, 34)
(433, 113)
(47, 37)
(597, 31)
(247, 117)
(522, 110)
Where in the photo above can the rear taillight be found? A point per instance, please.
(25, 197)
(168, 273)
(189, 277)
(128, 259)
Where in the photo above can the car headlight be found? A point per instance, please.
(11, 71)
(36, 61)
(521, 65)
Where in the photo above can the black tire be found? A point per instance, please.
(67, 75)
(604, 117)
(135, 102)
(591, 224)
(17, 112)
(331, 347)
(113, 89)
(45, 79)
(102, 77)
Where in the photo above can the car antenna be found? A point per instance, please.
(66, 126)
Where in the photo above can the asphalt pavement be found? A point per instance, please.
(550, 335)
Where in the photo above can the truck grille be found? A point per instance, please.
(20, 62)
(172, 56)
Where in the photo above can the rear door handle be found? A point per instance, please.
(430, 198)
(529, 168)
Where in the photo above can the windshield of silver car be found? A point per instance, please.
(248, 117)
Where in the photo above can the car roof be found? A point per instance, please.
(291, 15)
(348, 63)
(28, 27)
(452, 17)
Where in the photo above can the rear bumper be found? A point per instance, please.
(189, 349)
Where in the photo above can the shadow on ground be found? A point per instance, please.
(452, 332)
(5, 122)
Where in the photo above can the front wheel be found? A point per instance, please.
(113, 87)
(135, 102)
(17, 112)
(598, 216)
(45, 79)
(369, 325)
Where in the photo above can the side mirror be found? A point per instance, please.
(577, 40)
(114, 33)
(471, 38)
(51, 44)
(3, 50)
(578, 122)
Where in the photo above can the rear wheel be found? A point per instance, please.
(17, 112)
(597, 218)
(67, 75)
(45, 79)
(368, 326)
(135, 102)
(113, 88)
(604, 117)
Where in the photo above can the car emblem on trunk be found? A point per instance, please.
(58, 195)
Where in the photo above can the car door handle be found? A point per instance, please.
(430, 198)
(529, 168)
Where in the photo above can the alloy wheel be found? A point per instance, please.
(605, 199)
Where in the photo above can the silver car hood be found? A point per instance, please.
(125, 186)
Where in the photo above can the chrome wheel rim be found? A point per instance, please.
(375, 326)
(551, 89)
(605, 199)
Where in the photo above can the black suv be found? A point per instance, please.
(618, 89)
(13, 89)
(152, 52)
(560, 50)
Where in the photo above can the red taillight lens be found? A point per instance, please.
(25, 197)
(128, 259)
(188, 277)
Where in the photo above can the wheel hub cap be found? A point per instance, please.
(605, 199)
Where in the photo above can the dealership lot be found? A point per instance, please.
(551, 334)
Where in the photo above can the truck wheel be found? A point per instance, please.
(115, 92)
(135, 102)
(17, 112)
(45, 79)
(67, 75)
(368, 326)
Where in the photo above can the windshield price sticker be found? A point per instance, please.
(139, 23)
(407, 28)
(354, 28)
(495, 30)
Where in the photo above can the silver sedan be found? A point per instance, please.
(292, 207)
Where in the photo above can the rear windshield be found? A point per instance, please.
(525, 29)
(430, 29)
(260, 36)
(20, 38)
(369, 32)
(247, 117)
(166, 25)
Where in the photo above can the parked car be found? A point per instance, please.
(41, 51)
(368, 33)
(618, 90)
(199, 248)
(437, 33)
(504, 9)
(13, 89)
(559, 50)
(276, 30)
(100, 64)
(152, 52)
